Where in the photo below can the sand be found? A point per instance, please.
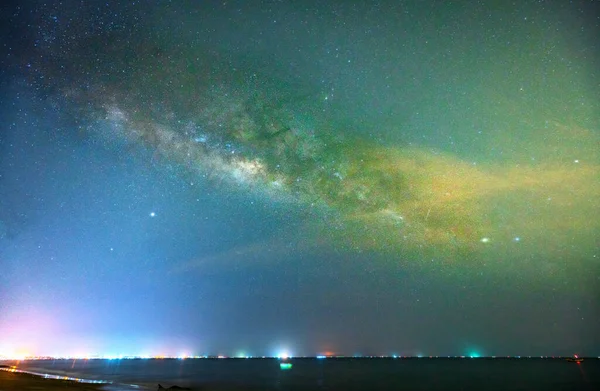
(10, 381)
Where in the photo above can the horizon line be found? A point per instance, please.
(319, 357)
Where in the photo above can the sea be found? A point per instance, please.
(328, 374)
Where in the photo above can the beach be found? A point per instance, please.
(12, 381)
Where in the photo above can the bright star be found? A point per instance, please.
(152, 214)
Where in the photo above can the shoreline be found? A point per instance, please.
(21, 381)
(12, 379)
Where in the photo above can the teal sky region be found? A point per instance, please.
(230, 164)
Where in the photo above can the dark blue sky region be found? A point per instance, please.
(254, 178)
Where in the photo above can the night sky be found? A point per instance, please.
(310, 177)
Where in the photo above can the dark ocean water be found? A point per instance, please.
(333, 374)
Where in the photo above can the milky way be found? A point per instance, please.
(248, 129)
(367, 195)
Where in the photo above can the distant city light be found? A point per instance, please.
(283, 356)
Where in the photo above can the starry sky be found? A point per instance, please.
(258, 177)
